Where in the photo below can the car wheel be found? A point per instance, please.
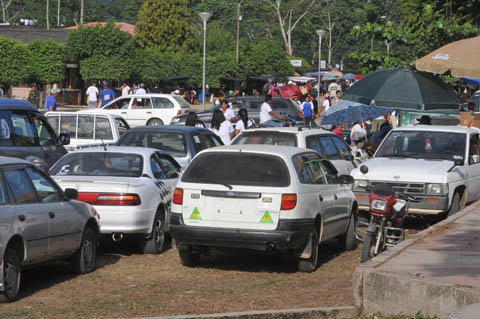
(348, 240)
(84, 259)
(156, 244)
(155, 122)
(367, 249)
(455, 206)
(188, 257)
(11, 275)
(310, 264)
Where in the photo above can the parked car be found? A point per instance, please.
(328, 144)
(40, 223)
(148, 109)
(87, 129)
(26, 134)
(181, 142)
(438, 165)
(252, 104)
(130, 187)
(267, 198)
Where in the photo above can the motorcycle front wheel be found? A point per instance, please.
(368, 246)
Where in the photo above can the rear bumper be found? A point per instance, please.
(289, 235)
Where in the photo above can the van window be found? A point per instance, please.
(85, 126)
(53, 121)
(103, 130)
(162, 103)
(68, 125)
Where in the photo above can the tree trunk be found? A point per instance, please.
(48, 24)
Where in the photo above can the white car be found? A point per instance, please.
(146, 109)
(437, 165)
(87, 128)
(262, 197)
(130, 187)
(328, 144)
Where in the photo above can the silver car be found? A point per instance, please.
(40, 223)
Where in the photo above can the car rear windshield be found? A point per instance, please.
(169, 142)
(233, 168)
(183, 104)
(99, 164)
(269, 138)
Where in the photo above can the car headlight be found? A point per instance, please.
(380, 205)
(437, 189)
(360, 185)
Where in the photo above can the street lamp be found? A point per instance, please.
(204, 16)
(320, 35)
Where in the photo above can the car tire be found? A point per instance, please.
(310, 264)
(156, 244)
(348, 240)
(367, 247)
(84, 259)
(155, 122)
(12, 273)
(188, 257)
(455, 206)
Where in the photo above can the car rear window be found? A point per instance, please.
(268, 138)
(183, 104)
(99, 164)
(169, 142)
(236, 169)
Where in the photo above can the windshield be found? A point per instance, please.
(423, 144)
(99, 164)
(169, 142)
(183, 104)
(268, 138)
(237, 169)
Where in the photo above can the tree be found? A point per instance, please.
(111, 68)
(15, 60)
(48, 61)
(289, 15)
(152, 66)
(163, 25)
(266, 57)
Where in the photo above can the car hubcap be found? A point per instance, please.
(10, 277)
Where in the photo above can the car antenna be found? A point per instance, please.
(104, 146)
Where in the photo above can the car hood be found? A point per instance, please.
(405, 170)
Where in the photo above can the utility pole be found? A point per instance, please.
(81, 11)
(58, 14)
(237, 49)
(48, 24)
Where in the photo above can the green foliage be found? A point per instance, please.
(105, 68)
(15, 60)
(152, 66)
(164, 25)
(48, 61)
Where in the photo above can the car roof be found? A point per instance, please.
(169, 128)
(279, 150)
(439, 128)
(144, 151)
(6, 104)
(146, 95)
(292, 130)
(84, 112)
(12, 160)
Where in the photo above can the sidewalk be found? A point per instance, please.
(436, 272)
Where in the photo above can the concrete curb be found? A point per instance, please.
(390, 293)
(297, 313)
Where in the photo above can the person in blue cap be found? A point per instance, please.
(107, 94)
(267, 87)
(51, 101)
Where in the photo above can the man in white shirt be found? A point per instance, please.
(141, 90)
(92, 96)
(267, 115)
(125, 89)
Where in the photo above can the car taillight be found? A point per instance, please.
(179, 112)
(110, 199)
(178, 196)
(289, 201)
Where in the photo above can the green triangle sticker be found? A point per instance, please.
(195, 214)
(266, 218)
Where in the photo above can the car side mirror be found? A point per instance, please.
(346, 179)
(458, 161)
(349, 157)
(70, 193)
(64, 138)
(364, 169)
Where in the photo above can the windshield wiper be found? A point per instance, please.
(213, 181)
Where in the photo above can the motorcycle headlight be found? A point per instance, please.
(360, 185)
(436, 189)
(380, 205)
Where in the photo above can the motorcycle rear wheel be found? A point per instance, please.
(368, 243)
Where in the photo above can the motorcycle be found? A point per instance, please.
(387, 214)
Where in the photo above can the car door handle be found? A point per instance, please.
(335, 196)
(320, 197)
(123, 112)
(149, 112)
(51, 215)
(21, 218)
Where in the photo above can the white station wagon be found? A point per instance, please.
(147, 109)
(262, 197)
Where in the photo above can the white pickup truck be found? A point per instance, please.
(438, 165)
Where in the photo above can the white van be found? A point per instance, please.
(87, 128)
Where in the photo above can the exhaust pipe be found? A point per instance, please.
(270, 246)
(116, 237)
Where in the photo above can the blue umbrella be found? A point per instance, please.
(348, 112)
(348, 76)
(471, 81)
